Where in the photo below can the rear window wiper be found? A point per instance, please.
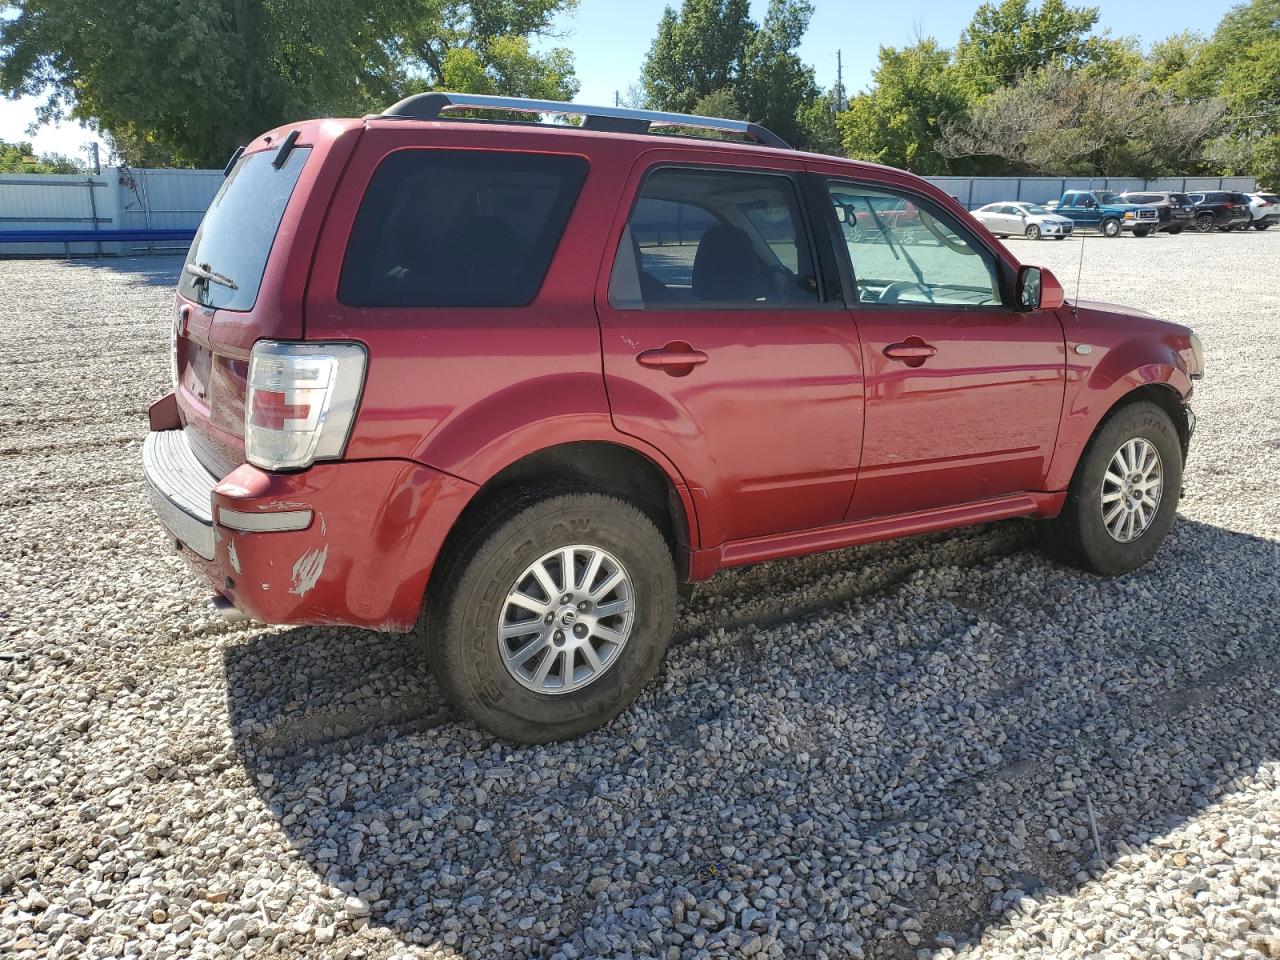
(207, 275)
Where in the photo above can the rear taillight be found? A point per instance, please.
(301, 402)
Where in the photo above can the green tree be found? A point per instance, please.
(21, 158)
(698, 52)
(1007, 40)
(189, 81)
(1059, 122)
(712, 58)
(915, 91)
(1241, 63)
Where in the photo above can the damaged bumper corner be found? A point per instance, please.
(339, 543)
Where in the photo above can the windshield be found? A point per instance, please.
(1035, 210)
(1110, 198)
(229, 254)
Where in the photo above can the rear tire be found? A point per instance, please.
(1174, 231)
(1110, 228)
(1080, 535)
(1261, 226)
(1141, 232)
(472, 609)
(1204, 222)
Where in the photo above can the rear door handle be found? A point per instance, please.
(913, 348)
(676, 358)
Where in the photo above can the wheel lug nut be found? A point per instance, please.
(548, 618)
(583, 605)
(567, 598)
(559, 636)
(579, 630)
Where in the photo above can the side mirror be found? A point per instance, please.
(1038, 289)
(1091, 203)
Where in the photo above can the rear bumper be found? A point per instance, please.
(372, 532)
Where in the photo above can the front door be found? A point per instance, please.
(963, 393)
(722, 349)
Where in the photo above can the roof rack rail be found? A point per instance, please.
(430, 106)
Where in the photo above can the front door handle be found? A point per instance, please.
(676, 358)
(913, 351)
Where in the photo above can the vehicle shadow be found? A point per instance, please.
(915, 759)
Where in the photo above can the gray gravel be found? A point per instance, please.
(889, 752)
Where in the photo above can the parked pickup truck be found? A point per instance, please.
(1106, 213)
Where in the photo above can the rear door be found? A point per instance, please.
(963, 393)
(726, 347)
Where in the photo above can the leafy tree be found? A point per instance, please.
(1057, 121)
(21, 158)
(188, 82)
(1007, 40)
(1241, 63)
(777, 85)
(711, 57)
(915, 91)
(699, 51)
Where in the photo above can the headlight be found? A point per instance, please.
(1196, 367)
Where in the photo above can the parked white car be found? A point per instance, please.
(1016, 218)
(1264, 210)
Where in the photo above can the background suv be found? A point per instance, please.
(1223, 209)
(507, 386)
(1176, 210)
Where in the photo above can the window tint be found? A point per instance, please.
(903, 253)
(236, 234)
(713, 238)
(458, 228)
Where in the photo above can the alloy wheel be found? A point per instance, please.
(566, 619)
(1131, 490)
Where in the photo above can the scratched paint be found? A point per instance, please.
(306, 572)
(232, 557)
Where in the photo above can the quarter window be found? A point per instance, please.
(458, 228)
(903, 253)
(714, 239)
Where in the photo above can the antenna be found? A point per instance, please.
(1075, 310)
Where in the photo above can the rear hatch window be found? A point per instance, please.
(229, 254)
(458, 228)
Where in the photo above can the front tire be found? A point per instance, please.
(1174, 231)
(508, 631)
(1033, 232)
(1124, 495)
(1110, 228)
(1261, 226)
(1141, 232)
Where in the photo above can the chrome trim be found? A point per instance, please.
(278, 521)
(181, 489)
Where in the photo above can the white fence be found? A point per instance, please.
(117, 198)
(976, 192)
(127, 198)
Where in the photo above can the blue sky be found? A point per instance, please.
(609, 39)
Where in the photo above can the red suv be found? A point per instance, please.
(507, 386)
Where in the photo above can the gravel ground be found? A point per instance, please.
(906, 750)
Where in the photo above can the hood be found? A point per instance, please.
(1114, 309)
(1049, 217)
(1121, 205)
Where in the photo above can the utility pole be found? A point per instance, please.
(839, 82)
(617, 99)
(97, 162)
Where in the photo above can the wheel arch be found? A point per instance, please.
(1160, 392)
(607, 466)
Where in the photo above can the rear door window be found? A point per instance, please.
(458, 228)
(717, 239)
(229, 254)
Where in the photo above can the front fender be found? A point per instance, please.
(1095, 388)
